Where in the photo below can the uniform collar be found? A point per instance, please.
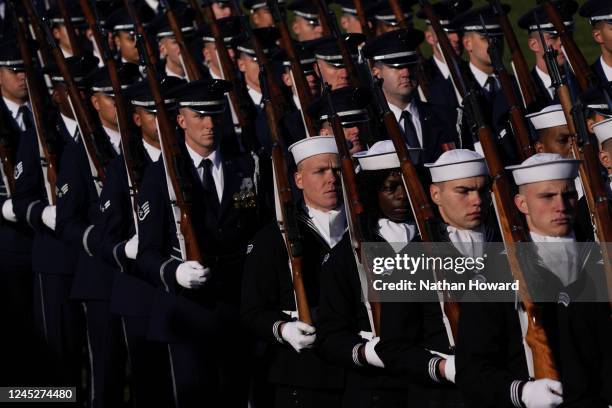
(115, 138)
(331, 225)
(442, 67)
(256, 96)
(13, 107)
(173, 74)
(215, 157)
(559, 255)
(546, 80)
(152, 151)
(606, 69)
(396, 232)
(470, 242)
(71, 125)
(411, 107)
(481, 76)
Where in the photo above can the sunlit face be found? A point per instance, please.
(602, 34)
(147, 123)
(453, 38)
(170, 50)
(319, 179)
(551, 40)
(13, 85)
(304, 30)
(221, 10)
(352, 134)
(200, 130)
(397, 83)
(61, 36)
(350, 24)
(211, 58)
(461, 202)
(249, 67)
(126, 44)
(336, 77)
(554, 140)
(477, 47)
(262, 18)
(549, 206)
(106, 108)
(393, 200)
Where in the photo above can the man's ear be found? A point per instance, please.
(434, 192)
(95, 102)
(521, 203)
(604, 158)
(206, 53)
(467, 42)
(430, 37)
(287, 79)
(590, 122)
(344, 22)
(534, 44)
(596, 32)
(163, 52)
(297, 177)
(241, 64)
(539, 147)
(180, 120)
(376, 71)
(295, 27)
(56, 32)
(136, 118)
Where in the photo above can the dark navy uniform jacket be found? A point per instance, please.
(441, 91)
(14, 236)
(49, 254)
(545, 95)
(599, 72)
(78, 210)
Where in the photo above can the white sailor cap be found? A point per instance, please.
(312, 146)
(381, 156)
(548, 117)
(457, 164)
(544, 167)
(603, 130)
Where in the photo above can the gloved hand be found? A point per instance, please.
(449, 370)
(370, 353)
(544, 393)
(191, 274)
(48, 216)
(131, 247)
(7, 211)
(299, 334)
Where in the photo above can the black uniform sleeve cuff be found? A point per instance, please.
(516, 392)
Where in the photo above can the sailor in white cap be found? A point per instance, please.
(552, 131)
(496, 364)
(345, 330)
(460, 189)
(603, 132)
(298, 375)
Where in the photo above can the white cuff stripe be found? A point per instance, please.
(432, 368)
(161, 274)
(514, 397)
(29, 212)
(85, 236)
(276, 331)
(355, 354)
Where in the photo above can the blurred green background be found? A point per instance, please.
(582, 33)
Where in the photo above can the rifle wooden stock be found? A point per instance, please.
(238, 95)
(39, 35)
(171, 153)
(301, 84)
(584, 74)
(531, 97)
(363, 22)
(191, 68)
(48, 159)
(120, 103)
(72, 36)
(82, 113)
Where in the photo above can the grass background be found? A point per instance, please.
(582, 33)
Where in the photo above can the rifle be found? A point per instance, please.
(352, 201)
(517, 117)
(585, 75)
(285, 206)
(36, 94)
(584, 149)
(242, 112)
(189, 65)
(171, 153)
(511, 225)
(530, 94)
(72, 36)
(120, 102)
(363, 22)
(81, 113)
(419, 202)
(298, 79)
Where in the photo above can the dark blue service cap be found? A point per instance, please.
(99, 80)
(306, 10)
(140, 94)
(10, 56)
(597, 10)
(230, 28)
(381, 11)
(446, 10)
(257, 4)
(529, 21)
(79, 68)
(472, 20)
(205, 96)
(326, 48)
(350, 103)
(161, 27)
(54, 17)
(348, 6)
(397, 48)
(267, 37)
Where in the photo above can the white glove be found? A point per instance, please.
(48, 216)
(299, 334)
(449, 366)
(544, 393)
(192, 274)
(370, 353)
(131, 247)
(7, 211)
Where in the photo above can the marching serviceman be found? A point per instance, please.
(535, 20)
(495, 364)
(598, 12)
(384, 19)
(306, 24)
(260, 13)
(425, 126)
(299, 376)
(124, 35)
(169, 50)
(209, 369)
(330, 66)
(349, 22)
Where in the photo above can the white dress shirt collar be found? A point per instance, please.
(115, 138)
(256, 96)
(606, 69)
(172, 73)
(416, 121)
(213, 75)
(331, 225)
(396, 232)
(217, 170)
(481, 77)
(442, 67)
(152, 151)
(469, 242)
(14, 109)
(559, 255)
(71, 125)
(546, 80)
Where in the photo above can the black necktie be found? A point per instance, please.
(208, 182)
(491, 86)
(410, 132)
(26, 116)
